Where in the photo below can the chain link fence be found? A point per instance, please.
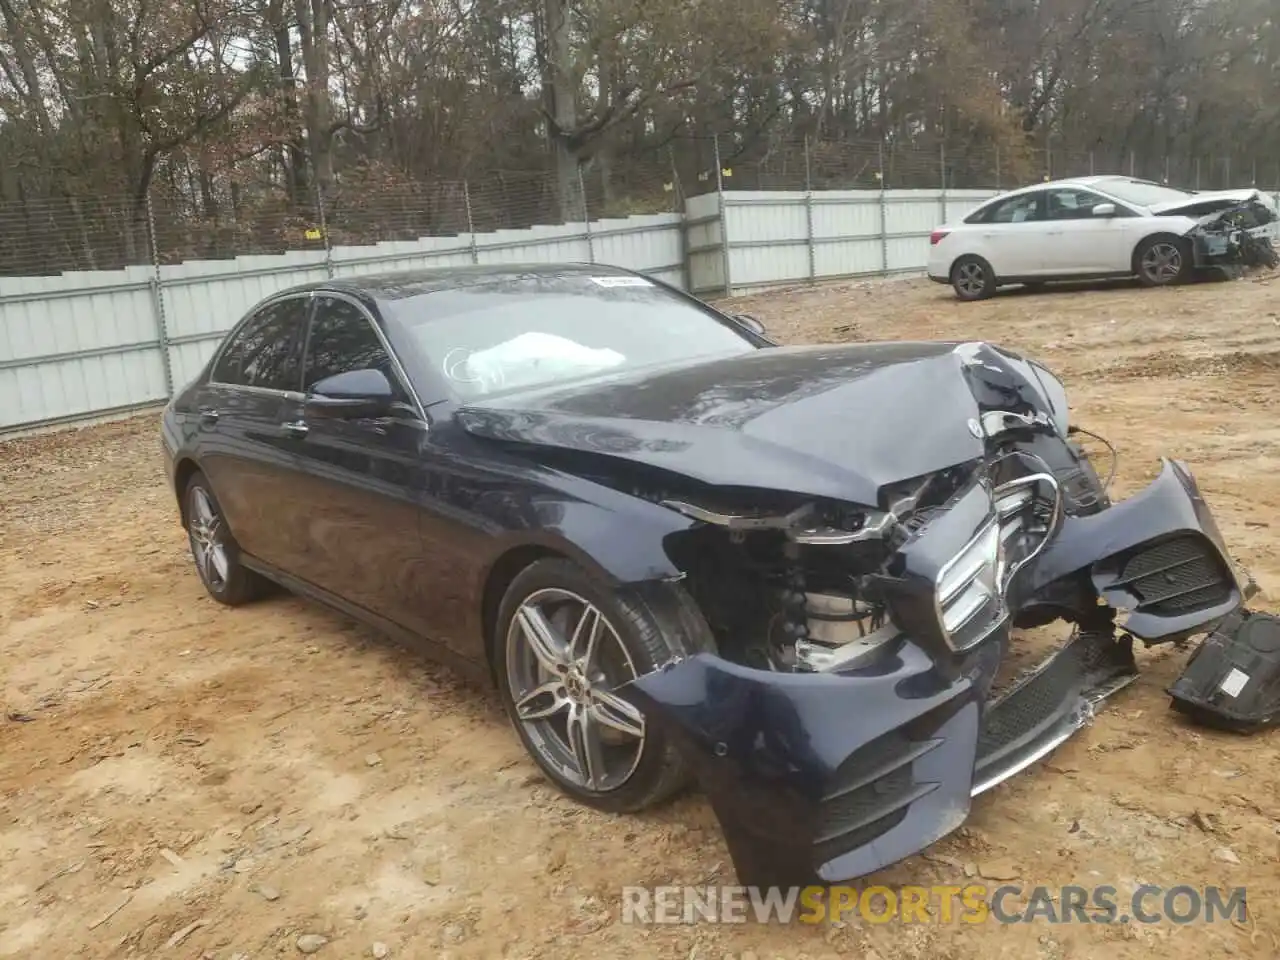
(179, 219)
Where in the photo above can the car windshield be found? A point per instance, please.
(1142, 192)
(531, 330)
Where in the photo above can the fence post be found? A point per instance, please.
(681, 208)
(1091, 163)
(157, 301)
(942, 166)
(1197, 174)
(724, 232)
(884, 210)
(471, 224)
(586, 215)
(324, 232)
(808, 210)
(1132, 162)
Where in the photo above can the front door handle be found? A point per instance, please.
(296, 428)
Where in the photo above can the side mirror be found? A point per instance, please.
(751, 323)
(353, 395)
(1104, 210)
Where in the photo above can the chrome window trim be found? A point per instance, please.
(252, 312)
(298, 396)
(396, 365)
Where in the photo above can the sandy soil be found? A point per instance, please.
(179, 779)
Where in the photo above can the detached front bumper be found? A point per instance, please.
(820, 778)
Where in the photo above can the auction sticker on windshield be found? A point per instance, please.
(621, 282)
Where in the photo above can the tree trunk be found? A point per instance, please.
(559, 90)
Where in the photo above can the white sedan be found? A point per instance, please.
(1098, 227)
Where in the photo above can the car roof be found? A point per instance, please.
(400, 284)
(1098, 181)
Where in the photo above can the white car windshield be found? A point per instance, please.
(525, 331)
(1142, 192)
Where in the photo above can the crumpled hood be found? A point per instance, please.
(827, 421)
(1200, 201)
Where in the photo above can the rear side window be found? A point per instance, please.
(1017, 209)
(266, 351)
(342, 339)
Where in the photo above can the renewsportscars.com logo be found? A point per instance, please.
(945, 903)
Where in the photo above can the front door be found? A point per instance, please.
(360, 482)
(1078, 242)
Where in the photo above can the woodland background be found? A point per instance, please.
(179, 129)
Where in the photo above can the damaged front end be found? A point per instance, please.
(850, 719)
(1237, 236)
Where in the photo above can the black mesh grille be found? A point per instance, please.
(870, 794)
(1029, 706)
(1178, 576)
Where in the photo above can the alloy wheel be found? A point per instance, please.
(564, 660)
(1162, 263)
(971, 278)
(208, 538)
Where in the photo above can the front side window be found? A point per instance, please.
(342, 339)
(1072, 204)
(264, 352)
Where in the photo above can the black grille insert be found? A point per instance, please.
(870, 794)
(1178, 576)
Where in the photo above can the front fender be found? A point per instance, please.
(1157, 555)
(818, 778)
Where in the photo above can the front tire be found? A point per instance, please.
(1163, 261)
(214, 549)
(564, 641)
(972, 278)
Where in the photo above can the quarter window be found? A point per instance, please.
(342, 339)
(265, 351)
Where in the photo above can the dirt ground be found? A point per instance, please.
(179, 779)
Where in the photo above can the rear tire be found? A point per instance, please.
(214, 549)
(1163, 261)
(972, 278)
(565, 640)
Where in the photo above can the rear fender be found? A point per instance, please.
(817, 778)
(1157, 556)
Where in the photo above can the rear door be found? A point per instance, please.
(1010, 235)
(354, 508)
(247, 459)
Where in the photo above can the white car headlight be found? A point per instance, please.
(970, 582)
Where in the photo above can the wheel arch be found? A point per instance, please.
(183, 471)
(1177, 238)
(502, 572)
(951, 267)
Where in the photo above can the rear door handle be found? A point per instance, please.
(296, 428)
